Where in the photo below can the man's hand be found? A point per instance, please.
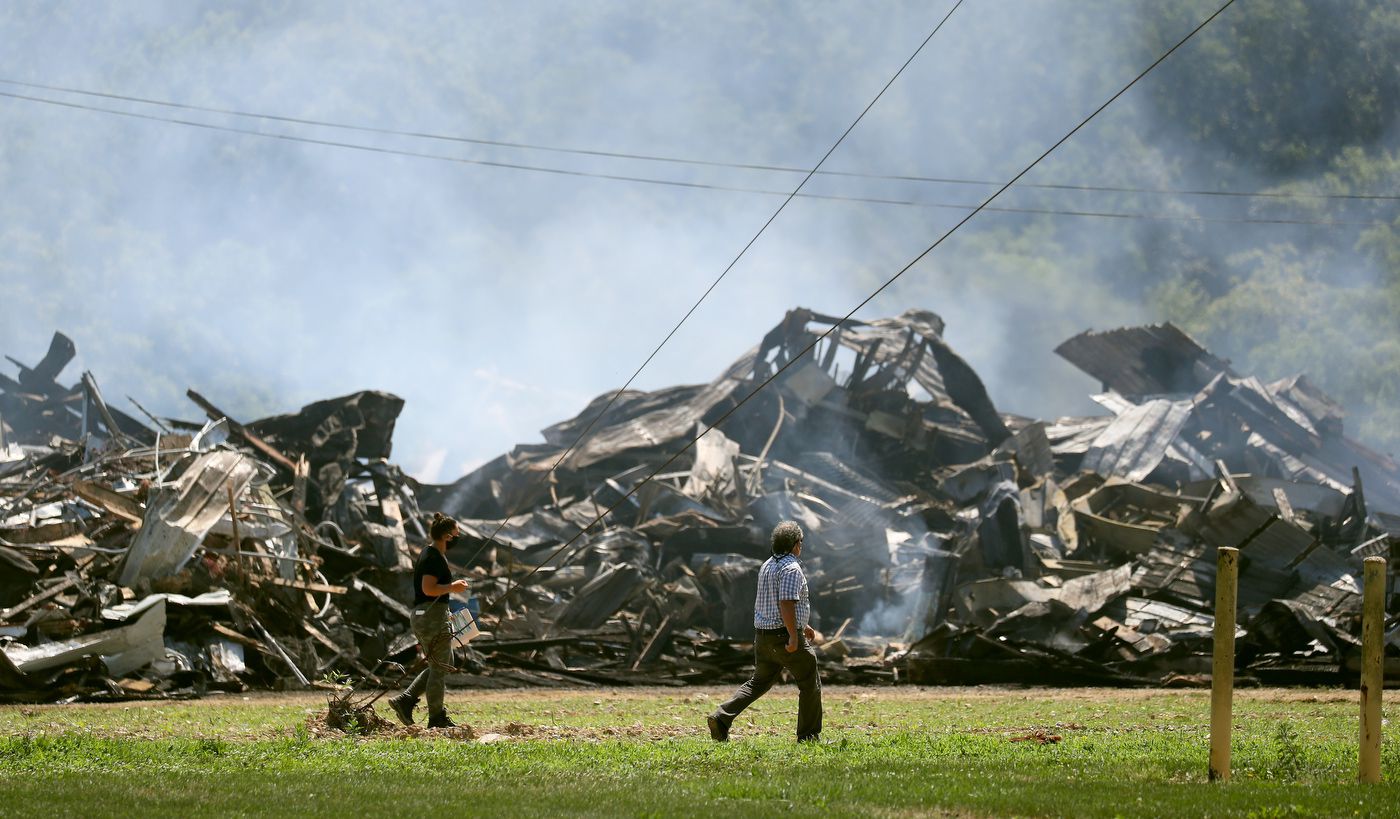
(458, 586)
(810, 633)
(792, 644)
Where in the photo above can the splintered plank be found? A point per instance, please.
(112, 502)
(48, 594)
(323, 588)
(241, 431)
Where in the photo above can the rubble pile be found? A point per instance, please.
(946, 542)
(162, 557)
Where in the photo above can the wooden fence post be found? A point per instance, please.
(1222, 677)
(1372, 667)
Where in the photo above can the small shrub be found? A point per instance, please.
(1289, 753)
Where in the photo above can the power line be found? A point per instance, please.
(800, 356)
(679, 183)
(729, 267)
(691, 161)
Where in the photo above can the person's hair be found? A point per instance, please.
(786, 536)
(441, 525)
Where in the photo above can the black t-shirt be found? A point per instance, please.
(430, 563)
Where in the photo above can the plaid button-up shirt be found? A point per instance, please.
(780, 578)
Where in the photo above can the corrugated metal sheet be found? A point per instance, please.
(1137, 440)
(176, 523)
(1152, 360)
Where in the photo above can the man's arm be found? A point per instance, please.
(790, 582)
(788, 610)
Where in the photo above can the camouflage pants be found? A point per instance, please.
(430, 627)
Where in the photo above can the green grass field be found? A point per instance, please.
(887, 752)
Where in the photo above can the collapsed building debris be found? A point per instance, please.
(946, 542)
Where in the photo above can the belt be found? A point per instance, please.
(423, 609)
(772, 632)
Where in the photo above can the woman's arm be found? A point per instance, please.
(433, 588)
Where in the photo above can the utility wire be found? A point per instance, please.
(812, 344)
(689, 161)
(682, 184)
(604, 411)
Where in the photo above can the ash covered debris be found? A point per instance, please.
(160, 557)
(947, 542)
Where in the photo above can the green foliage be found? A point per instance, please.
(1291, 757)
(1305, 94)
(1293, 99)
(1281, 87)
(208, 748)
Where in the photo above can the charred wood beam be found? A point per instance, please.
(862, 365)
(585, 676)
(48, 594)
(242, 432)
(486, 646)
(130, 430)
(968, 392)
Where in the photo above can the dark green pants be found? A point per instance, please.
(435, 637)
(770, 657)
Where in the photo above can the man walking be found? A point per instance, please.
(782, 639)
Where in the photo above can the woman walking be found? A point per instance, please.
(432, 583)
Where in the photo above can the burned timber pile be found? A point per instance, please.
(947, 542)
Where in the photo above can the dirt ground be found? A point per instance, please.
(891, 693)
